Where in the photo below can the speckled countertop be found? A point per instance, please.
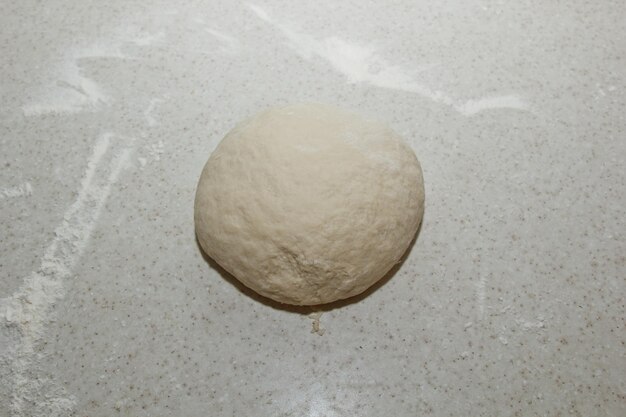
(510, 303)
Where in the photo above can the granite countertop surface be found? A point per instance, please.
(510, 303)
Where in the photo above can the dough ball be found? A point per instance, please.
(308, 204)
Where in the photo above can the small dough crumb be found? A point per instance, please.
(316, 328)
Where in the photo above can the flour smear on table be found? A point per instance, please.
(362, 64)
(25, 315)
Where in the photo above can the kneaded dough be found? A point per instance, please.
(308, 204)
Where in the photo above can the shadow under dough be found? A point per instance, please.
(313, 308)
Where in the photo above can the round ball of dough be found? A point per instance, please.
(308, 204)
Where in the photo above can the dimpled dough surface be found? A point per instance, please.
(308, 204)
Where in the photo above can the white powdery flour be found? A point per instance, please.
(25, 315)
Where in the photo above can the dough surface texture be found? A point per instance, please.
(308, 204)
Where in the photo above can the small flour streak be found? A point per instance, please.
(150, 120)
(229, 44)
(29, 309)
(472, 107)
(147, 39)
(530, 325)
(22, 190)
(262, 14)
(480, 296)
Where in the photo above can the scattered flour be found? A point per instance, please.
(68, 90)
(150, 120)
(22, 190)
(480, 295)
(361, 64)
(155, 150)
(147, 39)
(25, 315)
(150, 153)
(531, 325)
(228, 44)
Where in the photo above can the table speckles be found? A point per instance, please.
(511, 301)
